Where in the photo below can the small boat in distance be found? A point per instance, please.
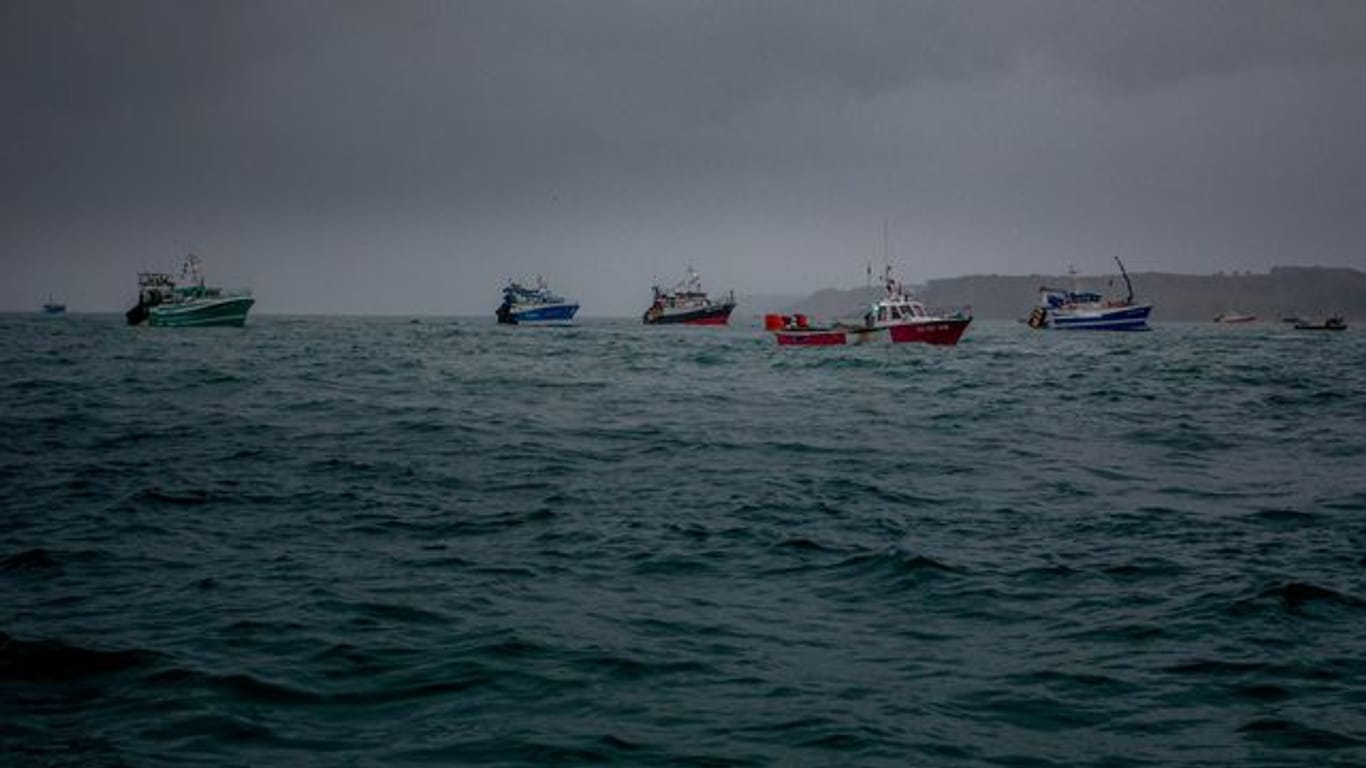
(53, 307)
(1334, 323)
(164, 301)
(1088, 311)
(687, 304)
(1234, 317)
(534, 305)
(896, 317)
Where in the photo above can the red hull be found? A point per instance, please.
(719, 319)
(716, 314)
(811, 338)
(946, 332)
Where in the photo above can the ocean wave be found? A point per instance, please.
(36, 559)
(182, 497)
(1297, 598)
(892, 568)
(1293, 735)
(55, 661)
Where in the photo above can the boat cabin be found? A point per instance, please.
(155, 288)
(1056, 299)
(893, 311)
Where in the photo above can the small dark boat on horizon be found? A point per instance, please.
(1334, 323)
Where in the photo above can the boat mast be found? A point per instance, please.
(886, 260)
(1127, 283)
(886, 249)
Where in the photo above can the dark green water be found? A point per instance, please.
(375, 542)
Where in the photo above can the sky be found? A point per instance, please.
(405, 157)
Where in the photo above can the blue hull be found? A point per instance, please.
(542, 315)
(1121, 319)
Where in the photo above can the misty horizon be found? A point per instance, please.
(759, 301)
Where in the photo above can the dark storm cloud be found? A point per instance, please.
(1008, 136)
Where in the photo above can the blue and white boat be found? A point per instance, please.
(1078, 310)
(535, 305)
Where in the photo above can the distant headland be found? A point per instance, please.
(1307, 291)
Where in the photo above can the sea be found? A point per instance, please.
(350, 541)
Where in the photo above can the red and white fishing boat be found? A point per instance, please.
(896, 317)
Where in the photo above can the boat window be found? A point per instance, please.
(896, 313)
(881, 313)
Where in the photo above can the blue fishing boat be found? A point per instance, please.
(53, 307)
(535, 305)
(1078, 310)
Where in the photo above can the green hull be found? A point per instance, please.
(231, 311)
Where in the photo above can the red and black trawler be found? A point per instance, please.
(896, 317)
(686, 303)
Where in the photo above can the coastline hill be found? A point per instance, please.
(1303, 291)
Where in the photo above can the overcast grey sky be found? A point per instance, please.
(408, 156)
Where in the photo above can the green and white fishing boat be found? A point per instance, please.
(165, 301)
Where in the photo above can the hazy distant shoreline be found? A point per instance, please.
(1306, 291)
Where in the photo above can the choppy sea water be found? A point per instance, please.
(358, 541)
